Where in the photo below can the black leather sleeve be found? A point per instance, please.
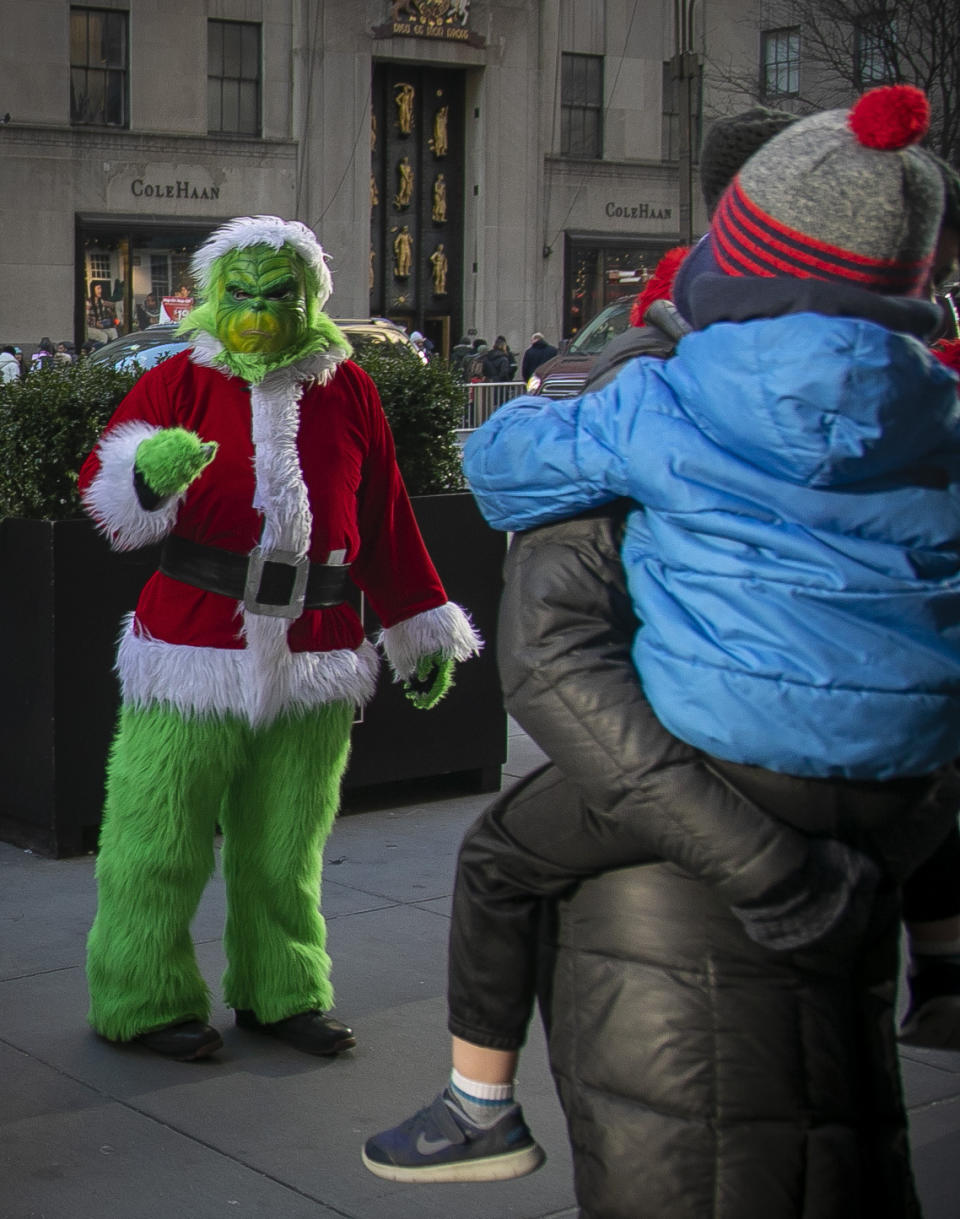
(564, 636)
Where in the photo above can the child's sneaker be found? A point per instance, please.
(933, 1017)
(439, 1144)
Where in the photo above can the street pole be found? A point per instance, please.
(686, 73)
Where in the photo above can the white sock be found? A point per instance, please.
(482, 1104)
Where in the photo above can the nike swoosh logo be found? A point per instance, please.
(429, 1147)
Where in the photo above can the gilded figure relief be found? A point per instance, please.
(374, 193)
(431, 12)
(401, 199)
(402, 253)
(403, 96)
(438, 142)
(439, 212)
(438, 260)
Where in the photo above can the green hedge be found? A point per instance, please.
(424, 404)
(49, 422)
(51, 419)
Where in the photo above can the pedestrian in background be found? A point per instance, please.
(496, 362)
(473, 364)
(43, 356)
(9, 365)
(536, 354)
(460, 351)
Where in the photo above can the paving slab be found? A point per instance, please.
(90, 1131)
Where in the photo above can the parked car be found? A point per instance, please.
(564, 375)
(150, 346)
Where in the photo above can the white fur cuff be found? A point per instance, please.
(446, 629)
(211, 681)
(111, 499)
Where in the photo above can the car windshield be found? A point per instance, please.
(140, 341)
(375, 334)
(148, 347)
(605, 326)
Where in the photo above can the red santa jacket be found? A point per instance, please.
(305, 462)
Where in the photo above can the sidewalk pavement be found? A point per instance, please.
(89, 1131)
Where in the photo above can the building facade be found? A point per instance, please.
(491, 166)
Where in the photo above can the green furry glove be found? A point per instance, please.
(432, 679)
(171, 459)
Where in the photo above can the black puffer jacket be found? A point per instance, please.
(704, 1076)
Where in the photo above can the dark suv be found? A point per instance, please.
(565, 375)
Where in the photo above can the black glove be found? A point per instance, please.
(828, 902)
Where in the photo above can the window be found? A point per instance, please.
(601, 278)
(581, 106)
(780, 63)
(131, 262)
(672, 134)
(160, 275)
(233, 77)
(98, 67)
(872, 48)
(101, 265)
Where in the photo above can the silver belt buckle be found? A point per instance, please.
(255, 565)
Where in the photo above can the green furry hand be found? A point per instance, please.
(432, 679)
(171, 459)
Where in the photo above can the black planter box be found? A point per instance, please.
(467, 732)
(63, 596)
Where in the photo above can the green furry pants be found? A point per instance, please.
(170, 780)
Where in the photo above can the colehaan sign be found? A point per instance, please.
(181, 189)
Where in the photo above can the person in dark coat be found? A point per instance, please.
(497, 361)
(536, 354)
(774, 923)
(460, 351)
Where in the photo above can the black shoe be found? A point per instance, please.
(312, 1031)
(440, 1144)
(185, 1042)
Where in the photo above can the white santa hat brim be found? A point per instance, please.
(270, 231)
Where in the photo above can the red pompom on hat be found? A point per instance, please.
(891, 117)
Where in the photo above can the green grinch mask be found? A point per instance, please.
(262, 305)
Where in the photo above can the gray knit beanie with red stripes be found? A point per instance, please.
(841, 195)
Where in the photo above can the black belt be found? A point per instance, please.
(272, 582)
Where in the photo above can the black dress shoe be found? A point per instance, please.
(186, 1041)
(312, 1031)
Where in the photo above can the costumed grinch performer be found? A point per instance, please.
(263, 457)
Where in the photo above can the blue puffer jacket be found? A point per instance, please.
(796, 562)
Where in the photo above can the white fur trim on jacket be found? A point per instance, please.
(212, 681)
(111, 499)
(446, 629)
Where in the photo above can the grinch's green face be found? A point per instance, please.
(262, 306)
